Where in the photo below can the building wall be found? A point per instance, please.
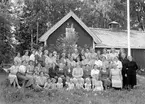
(84, 37)
(137, 54)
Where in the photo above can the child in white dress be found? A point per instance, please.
(97, 85)
(59, 83)
(70, 85)
(53, 85)
(87, 84)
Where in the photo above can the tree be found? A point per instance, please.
(6, 45)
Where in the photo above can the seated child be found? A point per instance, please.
(80, 83)
(97, 85)
(87, 85)
(75, 81)
(53, 85)
(12, 75)
(41, 80)
(70, 85)
(48, 84)
(59, 83)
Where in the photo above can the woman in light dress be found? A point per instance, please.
(18, 59)
(77, 72)
(25, 57)
(12, 75)
(116, 77)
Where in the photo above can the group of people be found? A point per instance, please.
(88, 70)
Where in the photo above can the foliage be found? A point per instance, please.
(6, 45)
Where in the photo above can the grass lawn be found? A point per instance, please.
(11, 95)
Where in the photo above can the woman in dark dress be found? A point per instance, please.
(124, 61)
(52, 70)
(131, 72)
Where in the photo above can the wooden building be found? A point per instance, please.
(97, 37)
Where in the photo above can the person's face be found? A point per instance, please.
(41, 74)
(104, 51)
(98, 52)
(46, 52)
(129, 58)
(26, 53)
(18, 54)
(39, 65)
(112, 50)
(87, 50)
(31, 63)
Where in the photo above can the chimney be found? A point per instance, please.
(114, 25)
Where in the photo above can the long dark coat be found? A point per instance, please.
(125, 62)
(131, 73)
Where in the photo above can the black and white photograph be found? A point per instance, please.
(72, 51)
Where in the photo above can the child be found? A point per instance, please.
(80, 83)
(48, 84)
(87, 84)
(59, 83)
(41, 80)
(70, 85)
(75, 81)
(12, 75)
(97, 85)
(53, 85)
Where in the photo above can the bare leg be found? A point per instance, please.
(16, 80)
(14, 84)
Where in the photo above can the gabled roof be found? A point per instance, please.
(44, 37)
(118, 39)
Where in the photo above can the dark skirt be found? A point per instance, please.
(132, 80)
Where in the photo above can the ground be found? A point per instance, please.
(26, 96)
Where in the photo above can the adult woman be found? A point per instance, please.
(117, 63)
(12, 75)
(124, 61)
(105, 54)
(25, 57)
(30, 69)
(87, 71)
(21, 74)
(68, 70)
(121, 51)
(48, 59)
(116, 77)
(104, 76)
(52, 70)
(131, 72)
(95, 72)
(77, 72)
(18, 59)
(75, 55)
(40, 80)
(60, 71)
(32, 56)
